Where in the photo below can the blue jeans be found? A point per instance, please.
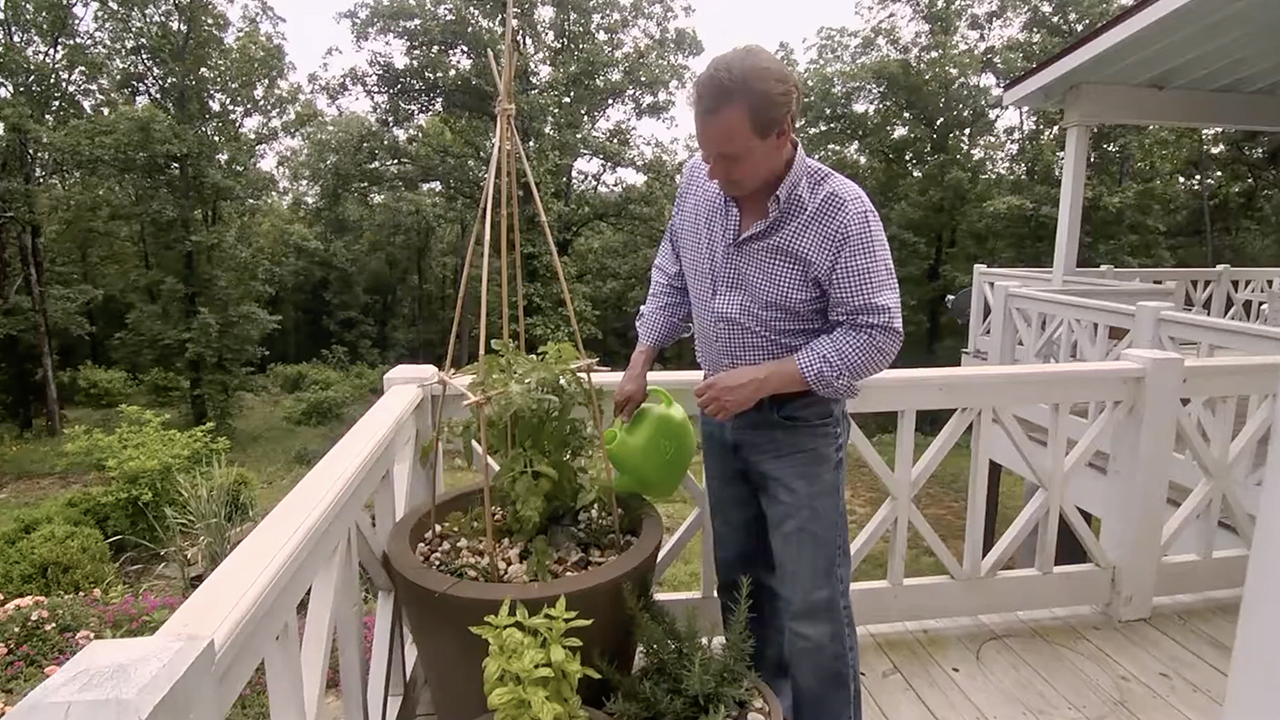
(775, 478)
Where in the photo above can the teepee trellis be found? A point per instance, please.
(505, 161)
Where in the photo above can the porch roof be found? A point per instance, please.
(1189, 63)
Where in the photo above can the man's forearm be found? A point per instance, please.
(782, 376)
(642, 358)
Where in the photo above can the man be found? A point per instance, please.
(783, 267)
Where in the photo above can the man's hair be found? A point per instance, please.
(755, 77)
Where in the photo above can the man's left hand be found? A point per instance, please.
(729, 393)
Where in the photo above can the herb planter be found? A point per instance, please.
(772, 707)
(590, 712)
(440, 609)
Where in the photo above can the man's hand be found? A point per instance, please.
(631, 393)
(729, 393)
(634, 387)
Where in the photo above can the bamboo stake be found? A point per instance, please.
(484, 326)
(501, 142)
(568, 302)
(577, 333)
(463, 282)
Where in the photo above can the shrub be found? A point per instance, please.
(302, 377)
(316, 407)
(103, 387)
(55, 558)
(212, 504)
(164, 387)
(143, 458)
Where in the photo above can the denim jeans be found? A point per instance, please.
(775, 478)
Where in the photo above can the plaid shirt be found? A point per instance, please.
(814, 279)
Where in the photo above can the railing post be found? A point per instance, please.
(1251, 682)
(423, 483)
(144, 678)
(1221, 292)
(1142, 452)
(1146, 324)
(977, 306)
(1004, 333)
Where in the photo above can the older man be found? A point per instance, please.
(783, 267)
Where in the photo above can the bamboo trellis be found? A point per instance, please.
(503, 172)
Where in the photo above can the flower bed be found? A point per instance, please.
(40, 634)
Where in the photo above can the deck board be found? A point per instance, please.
(1065, 664)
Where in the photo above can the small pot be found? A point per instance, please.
(771, 702)
(591, 713)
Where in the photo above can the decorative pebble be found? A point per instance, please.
(753, 715)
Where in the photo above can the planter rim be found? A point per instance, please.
(401, 553)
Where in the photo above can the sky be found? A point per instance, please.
(311, 28)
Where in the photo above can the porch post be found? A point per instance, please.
(1075, 164)
(1251, 684)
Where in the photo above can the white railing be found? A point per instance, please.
(1241, 294)
(313, 555)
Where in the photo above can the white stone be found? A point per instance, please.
(753, 715)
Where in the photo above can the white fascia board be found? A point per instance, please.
(1124, 105)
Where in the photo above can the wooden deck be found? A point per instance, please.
(1069, 664)
(1072, 664)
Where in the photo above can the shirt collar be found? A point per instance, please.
(791, 181)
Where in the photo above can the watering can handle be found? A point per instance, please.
(667, 400)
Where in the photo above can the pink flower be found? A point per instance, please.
(3, 650)
(49, 671)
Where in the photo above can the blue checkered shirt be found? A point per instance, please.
(814, 279)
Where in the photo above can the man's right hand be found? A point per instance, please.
(631, 392)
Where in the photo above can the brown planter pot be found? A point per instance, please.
(770, 700)
(441, 609)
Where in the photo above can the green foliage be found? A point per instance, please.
(681, 676)
(316, 407)
(144, 458)
(544, 451)
(101, 387)
(321, 392)
(54, 557)
(165, 388)
(532, 671)
(212, 505)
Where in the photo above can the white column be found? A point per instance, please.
(1252, 690)
(1075, 164)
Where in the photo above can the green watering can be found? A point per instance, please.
(653, 451)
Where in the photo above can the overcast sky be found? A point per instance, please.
(311, 28)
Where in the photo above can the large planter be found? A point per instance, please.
(441, 609)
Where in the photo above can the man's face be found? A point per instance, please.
(738, 160)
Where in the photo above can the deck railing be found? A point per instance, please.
(296, 584)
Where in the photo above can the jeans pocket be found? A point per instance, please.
(805, 409)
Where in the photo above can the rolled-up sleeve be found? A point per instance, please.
(864, 308)
(665, 315)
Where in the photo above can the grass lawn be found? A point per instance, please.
(33, 468)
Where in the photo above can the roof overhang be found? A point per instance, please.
(1186, 63)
